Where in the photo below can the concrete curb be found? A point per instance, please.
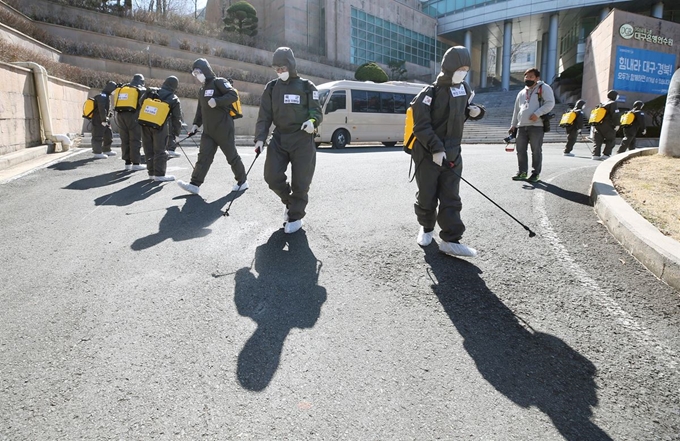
(658, 253)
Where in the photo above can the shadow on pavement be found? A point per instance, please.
(359, 149)
(189, 222)
(99, 180)
(71, 165)
(528, 367)
(130, 194)
(284, 295)
(569, 195)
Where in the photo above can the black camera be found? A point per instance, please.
(513, 135)
(546, 121)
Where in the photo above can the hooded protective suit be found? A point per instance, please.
(129, 129)
(574, 129)
(218, 125)
(630, 132)
(288, 105)
(154, 140)
(439, 113)
(102, 137)
(605, 133)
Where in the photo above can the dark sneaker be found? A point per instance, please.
(534, 178)
(520, 176)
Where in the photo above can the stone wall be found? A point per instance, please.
(19, 114)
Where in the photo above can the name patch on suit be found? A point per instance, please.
(427, 100)
(315, 94)
(291, 99)
(209, 92)
(460, 91)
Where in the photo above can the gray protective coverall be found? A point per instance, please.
(128, 128)
(606, 132)
(439, 113)
(154, 140)
(572, 130)
(288, 104)
(218, 125)
(102, 137)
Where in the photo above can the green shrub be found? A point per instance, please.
(655, 109)
(371, 72)
(242, 19)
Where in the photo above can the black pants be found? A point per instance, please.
(606, 134)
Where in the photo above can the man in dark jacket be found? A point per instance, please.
(606, 131)
(102, 136)
(630, 132)
(154, 140)
(128, 128)
(292, 104)
(575, 129)
(214, 101)
(439, 112)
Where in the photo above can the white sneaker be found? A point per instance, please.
(165, 178)
(424, 239)
(100, 156)
(569, 154)
(292, 227)
(596, 158)
(604, 157)
(241, 187)
(173, 154)
(128, 167)
(110, 153)
(137, 167)
(187, 187)
(457, 249)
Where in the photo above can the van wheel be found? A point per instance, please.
(389, 144)
(340, 139)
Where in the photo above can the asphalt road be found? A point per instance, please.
(132, 311)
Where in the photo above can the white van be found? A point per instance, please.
(356, 111)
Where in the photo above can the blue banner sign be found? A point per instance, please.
(640, 70)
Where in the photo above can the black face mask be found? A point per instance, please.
(529, 83)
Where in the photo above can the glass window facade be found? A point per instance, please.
(375, 39)
(441, 8)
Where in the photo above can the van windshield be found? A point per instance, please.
(323, 95)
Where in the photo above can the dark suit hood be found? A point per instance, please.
(579, 104)
(109, 88)
(612, 95)
(454, 58)
(283, 56)
(137, 80)
(171, 83)
(203, 65)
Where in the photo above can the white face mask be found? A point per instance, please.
(283, 76)
(200, 77)
(459, 76)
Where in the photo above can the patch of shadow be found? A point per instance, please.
(99, 180)
(189, 222)
(569, 195)
(284, 295)
(530, 368)
(71, 165)
(130, 194)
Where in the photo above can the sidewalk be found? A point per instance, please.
(658, 253)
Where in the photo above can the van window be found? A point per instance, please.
(338, 101)
(380, 102)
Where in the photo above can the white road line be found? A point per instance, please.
(665, 354)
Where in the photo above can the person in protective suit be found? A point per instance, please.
(292, 104)
(129, 129)
(606, 132)
(154, 140)
(630, 132)
(102, 135)
(575, 129)
(439, 113)
(214, 101)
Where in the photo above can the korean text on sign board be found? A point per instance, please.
(641, 70)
